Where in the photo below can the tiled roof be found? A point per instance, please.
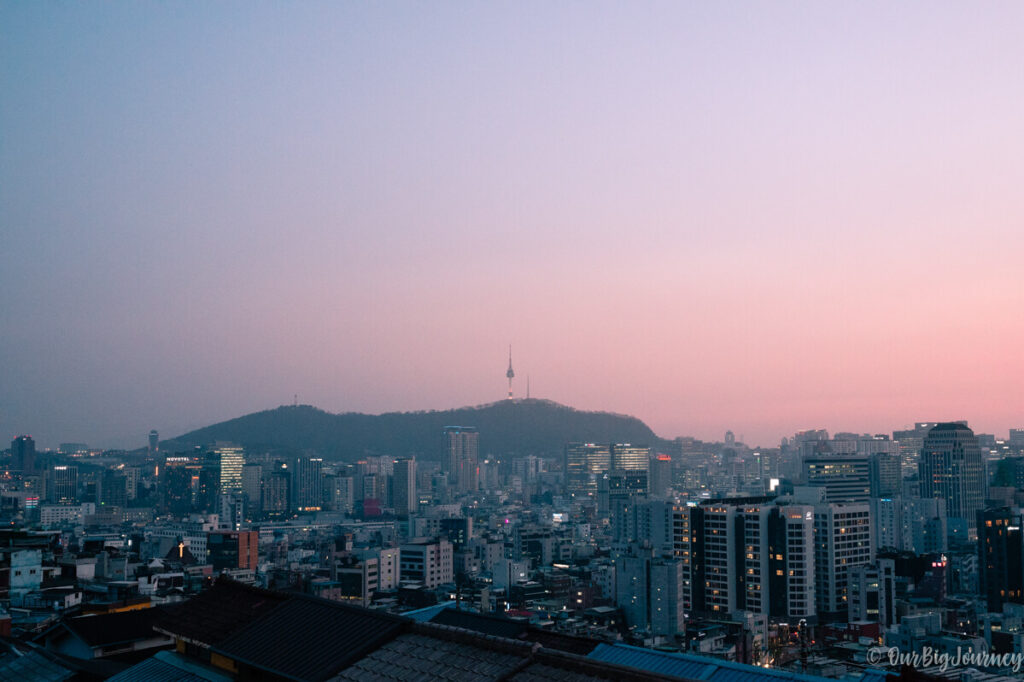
(415, 656)
(310, 638)
(215, 614)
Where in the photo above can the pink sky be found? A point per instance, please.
(760, 217)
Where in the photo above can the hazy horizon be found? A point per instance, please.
(762, 217)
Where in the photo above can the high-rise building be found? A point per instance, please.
(630, 457)
(845, 478)
(886, 475)
(406, 500)
(619, 485)
(951, 467)
(63, 487)
(462, 456)
(1000, 557)
(277, 490)
(113, 489)
(585, 463)
(252, 486)
(179, 479)
(661, 475)
(154, 442)
(749, 554)
(842, 541)
(23, 455)
(307, 483)
(232, 460)
(909, 443)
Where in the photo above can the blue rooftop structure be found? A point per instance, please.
(704, 667)
(428, 613)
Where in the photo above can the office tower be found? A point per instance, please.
(585, 463)
(951, 467)
(618, 486)
(178, 480)
(252, 486)
(277, 490)
(631, 457)
(132, 477)
(842, 540)
(1000, 557)
(428, 563)
(230, 549)
(909, 443)
(886, 478)
(1016, 440)
(23, 455)
(661, 475)
(63, 487)
(406, 500)
(909, 524)
(845, 478)
(344, 493)
(1009, 473)
(207, 493)
(113, 489)
(648, 590)
(462, 455)
(154, 442)
(307, 484)
(231, 461)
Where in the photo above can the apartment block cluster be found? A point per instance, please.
(801, 557)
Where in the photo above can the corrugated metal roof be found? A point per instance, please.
(693, 667)
(168, 666)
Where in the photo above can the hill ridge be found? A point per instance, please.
(522, 426)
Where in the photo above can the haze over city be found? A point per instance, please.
(761, 217)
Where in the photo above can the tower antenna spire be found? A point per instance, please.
(510, 373)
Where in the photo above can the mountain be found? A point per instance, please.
(523, 427)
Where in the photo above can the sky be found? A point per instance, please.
(762, 217)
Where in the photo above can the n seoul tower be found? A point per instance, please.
(510, 373)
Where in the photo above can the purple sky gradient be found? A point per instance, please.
(763, 217)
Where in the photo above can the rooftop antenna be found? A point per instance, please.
(510, 373)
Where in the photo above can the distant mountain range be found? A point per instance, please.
(521, 427)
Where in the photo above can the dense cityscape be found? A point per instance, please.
(810, 560)
(264, 264)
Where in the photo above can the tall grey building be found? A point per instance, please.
(307, 483)
(406, 500)
(23, 454)
(951, 467)
(462, 454)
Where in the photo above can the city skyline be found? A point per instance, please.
(763, 218)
